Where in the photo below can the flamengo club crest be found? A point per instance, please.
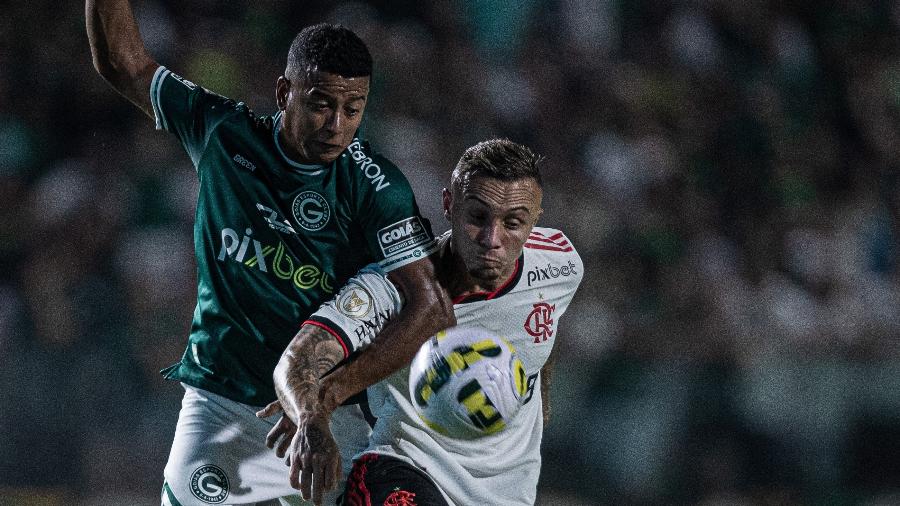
(539, 323)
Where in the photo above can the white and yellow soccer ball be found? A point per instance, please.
(467, 382)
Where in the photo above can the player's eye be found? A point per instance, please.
(351, 112)
(318, 106)
(476, 217)
(513, 224)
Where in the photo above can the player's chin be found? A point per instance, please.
(486, 272)
(327, 157)
(326, 153)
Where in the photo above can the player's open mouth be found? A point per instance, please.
(490, 260)
(325, 146)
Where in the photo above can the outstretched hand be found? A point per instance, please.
(315, 460)
(279, 438)
(312, 453)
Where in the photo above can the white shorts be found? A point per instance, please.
(219, 453)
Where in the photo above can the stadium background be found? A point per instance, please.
(727, 170)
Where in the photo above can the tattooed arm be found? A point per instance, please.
(312, 353)
(300, 377)
(313, 451)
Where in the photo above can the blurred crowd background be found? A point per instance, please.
(729, 172)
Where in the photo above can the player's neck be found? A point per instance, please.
(292, 153)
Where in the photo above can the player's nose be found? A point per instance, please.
(334, 122)
(489, 236)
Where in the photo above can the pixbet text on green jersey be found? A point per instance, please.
(273, 238)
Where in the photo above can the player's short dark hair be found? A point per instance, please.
(329, 48)
(500, 159)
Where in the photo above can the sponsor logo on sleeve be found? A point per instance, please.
(311, 211)
(191, 86)
(209, 484)
(403, 236)
(355, 301)
(369, 328)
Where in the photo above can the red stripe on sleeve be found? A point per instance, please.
(332, 332)
(565, 249)
(557, 239)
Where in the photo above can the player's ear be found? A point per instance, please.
(446, 201)
(282, 88)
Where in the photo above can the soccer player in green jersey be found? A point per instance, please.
(290, 206)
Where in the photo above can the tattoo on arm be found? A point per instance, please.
(312, 353)
(314, 436)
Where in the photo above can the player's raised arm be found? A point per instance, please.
(118, 52)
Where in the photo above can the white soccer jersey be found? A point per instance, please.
(499, 469)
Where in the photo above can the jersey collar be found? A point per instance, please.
(504, 289)
(309, 170)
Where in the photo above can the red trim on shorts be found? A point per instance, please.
(357, 493)
(332, 332)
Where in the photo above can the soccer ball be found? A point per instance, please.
(467, 382)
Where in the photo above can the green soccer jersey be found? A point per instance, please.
(273, 238)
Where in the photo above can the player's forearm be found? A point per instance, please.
(311, 354)
(545, 395)
(546, 379)
(393, 349)
(117, 50)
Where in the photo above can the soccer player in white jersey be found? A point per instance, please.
(504, 274)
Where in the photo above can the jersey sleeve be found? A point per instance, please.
(564, 268)
(189, 111)
(360, 310)
(395, 231)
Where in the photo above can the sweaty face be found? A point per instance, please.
(491, 220)
(321, 113)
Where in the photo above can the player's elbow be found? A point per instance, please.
(112, 72)
(100, 57)
(106, 70)
(124, 72)
(119, 75)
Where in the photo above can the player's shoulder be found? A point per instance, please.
(550, 241)
(373, 169)
(239, 112)
(550, 249)
(215, 103)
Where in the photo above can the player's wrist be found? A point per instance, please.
(330, 395)
(299, 398)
